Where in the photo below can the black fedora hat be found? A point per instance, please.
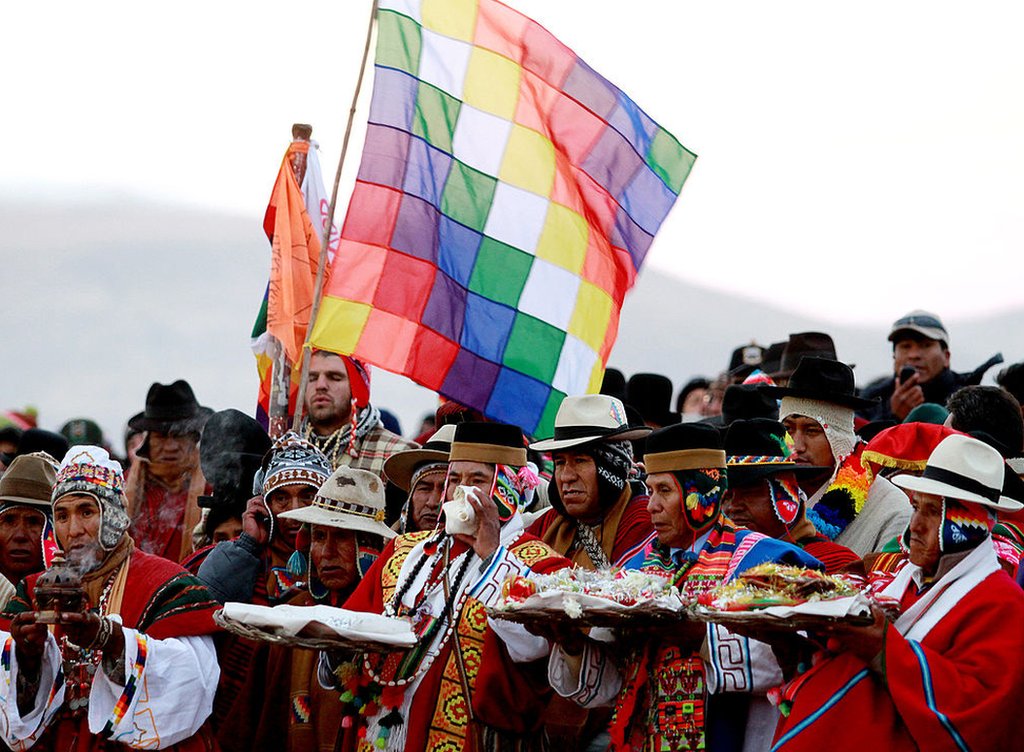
(614, 384)
(171, 408)
(231, 452)
(802, 345)
(773, 357)
(651, 395)
(823, 380)
(490, 443)
(755, 449)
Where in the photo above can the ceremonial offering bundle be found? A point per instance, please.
(780, 585)
(786, 597)
(588, 598)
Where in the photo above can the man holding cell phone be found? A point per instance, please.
(921, 372)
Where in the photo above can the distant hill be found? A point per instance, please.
(102, 298)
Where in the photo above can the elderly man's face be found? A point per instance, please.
(171, 448)
(333, 552)
(750, 505)
(479, 475)
(925, 524)
(665, 506)
(576, 478)
(425, 500)
(927, 356)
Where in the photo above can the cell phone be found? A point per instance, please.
(906, 372)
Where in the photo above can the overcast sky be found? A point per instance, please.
(855, 160)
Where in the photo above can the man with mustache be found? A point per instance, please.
(136, 668)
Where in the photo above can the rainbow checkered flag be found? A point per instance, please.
(506, 198)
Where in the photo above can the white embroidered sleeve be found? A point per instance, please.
(738, 664)
(522, 646)
(21, 732)
(167, 694)
(593, 680)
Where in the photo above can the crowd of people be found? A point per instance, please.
(111, 572)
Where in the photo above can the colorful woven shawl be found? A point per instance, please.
(661, 705)
(844, 498)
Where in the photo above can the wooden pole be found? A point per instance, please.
(281, 368)
(319, 288)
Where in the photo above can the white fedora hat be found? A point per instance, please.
(591, 417)
(964, 468)
(349, 499)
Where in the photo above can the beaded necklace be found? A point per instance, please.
(344, 439)
(79, 663)
(393, 609)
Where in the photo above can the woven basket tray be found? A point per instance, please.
(315, 637)
(645, 615)
(762, 620)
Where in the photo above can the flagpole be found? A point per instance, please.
(300, 398)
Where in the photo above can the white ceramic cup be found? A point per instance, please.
(459, 515)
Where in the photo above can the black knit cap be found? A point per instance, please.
(40, 440)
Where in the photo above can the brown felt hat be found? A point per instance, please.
(29, 480)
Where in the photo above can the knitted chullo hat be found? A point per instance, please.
(89, 470)
(292, 460)
(358, 377)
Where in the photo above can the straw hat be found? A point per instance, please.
(349, 499)
(401, 466)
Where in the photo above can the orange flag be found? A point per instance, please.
(294, 257)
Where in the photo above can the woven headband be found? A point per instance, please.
(747, 460)
(490, 453)
(951, 478)
(348, 507)
(684, 459)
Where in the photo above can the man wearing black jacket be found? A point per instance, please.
(921, 372)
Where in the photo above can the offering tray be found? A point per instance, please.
(316, 627)
(581, 598)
